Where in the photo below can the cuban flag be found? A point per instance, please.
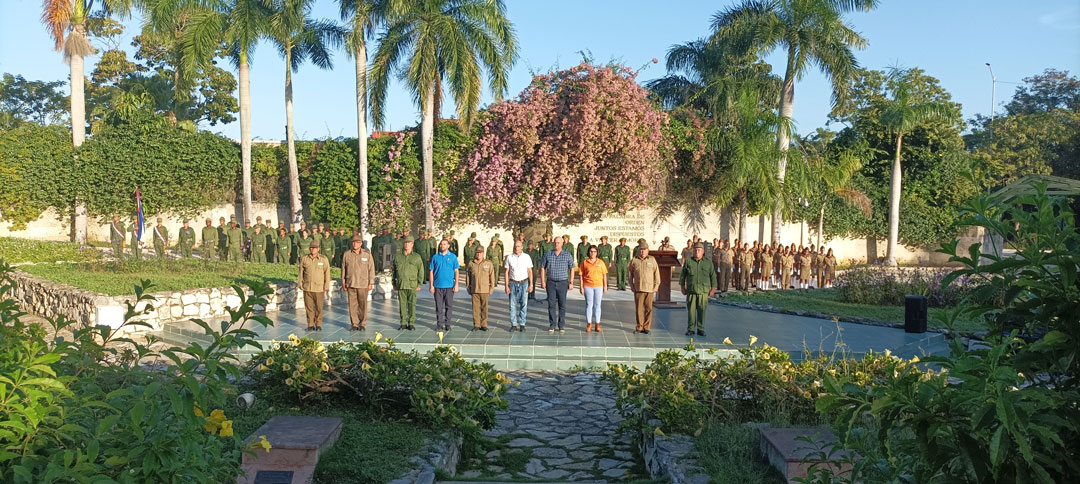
(138, 210)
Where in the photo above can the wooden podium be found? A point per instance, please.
(668, 260)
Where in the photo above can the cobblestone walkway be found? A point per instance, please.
(560, 426)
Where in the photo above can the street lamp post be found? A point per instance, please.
(993, 100)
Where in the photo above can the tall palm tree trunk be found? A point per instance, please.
(894, 205)
(78, 126)
(787, 106)
(296, 208)
(742, 215)
(427, 139)
(820, 224)
(245, 133)
(362, 134)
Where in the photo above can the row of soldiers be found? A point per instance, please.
(768, 266)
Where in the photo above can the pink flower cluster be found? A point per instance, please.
(575, 145)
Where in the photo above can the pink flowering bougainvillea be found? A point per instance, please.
(575, 145)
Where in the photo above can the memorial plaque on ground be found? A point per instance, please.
(273, 477)
(296, 443)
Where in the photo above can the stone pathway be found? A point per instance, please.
(560, 426)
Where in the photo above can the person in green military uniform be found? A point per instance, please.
(284, 246)
(470, 247)
(303, 242)
(622, 263)
(329, 246)
(186, 240)
(408, 277)
(547, 245)
(568, 246)
(116, 237)
(271, 241)
(136, 244)
(294, 245)
(698, 282)
(258, 244)
(236, 242)
(604, 251)
(246, 241)
(454, 245)
(535, 253)
(223, 239)
(496, 254)
(399, 243)
(582, 249)
(209, 240)
(161, 239)
(423, 248)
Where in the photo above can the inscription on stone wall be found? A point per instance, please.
(631, 227)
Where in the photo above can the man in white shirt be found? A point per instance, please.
(519, 283)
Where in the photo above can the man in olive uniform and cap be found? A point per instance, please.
(582, 249)
(453, 244)
(698, 282)
(136, 244)
(116, 237)
(496, 254)
(546, 245)
(246, 244)
(604, 251)
(408, 277)
(622, 262)
(470, 248)
(423, 248)
(535, 255)
(568, 246)
(236, 242)
(723, 257)
(314, 281)
(186, 240)
(357, 279)
(209, 240)
(258, 244)
(161, 239)
(223, 239)
(327, 246)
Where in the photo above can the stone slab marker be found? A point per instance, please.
(296, 443)
(793, 457)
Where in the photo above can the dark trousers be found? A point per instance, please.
(357, 306)
(724, 277)
(444, 302)
(643, 303)
(556, 298)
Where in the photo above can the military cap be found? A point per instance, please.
(247, 220)
(496, 236)
(641, 241)
(314, 244)
(603, 238)
(472, 235)
(584, 237)
(159, 220)
(408, 239)
(642, 244)
(222, 219)
(699, 245)
(258, 217)
(622, 239)
(358, 238)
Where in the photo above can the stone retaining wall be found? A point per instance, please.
(52, 299)
(670, 458)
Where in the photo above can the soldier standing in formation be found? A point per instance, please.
(314, 281)
(766, 269)
(330, 245)
(161, 239)
(496, 253)
(116, 237)
(453, 243)
(470, 248)
(622, 261)
(723, 257)
(605, 251)
(136, 244)
(209, 240)
(698, 282)
(568, 246)
(236, 242)
(408, 277)
(582, 249)
(787, 262)
(357, 279)
(805, 268)
(258, 244)
(284, 246)
(223, 239)
(480, 283)
(186, 240)
(644, 281)
(535, 254)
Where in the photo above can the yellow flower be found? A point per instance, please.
(712, 374)
(753, 339)
(365, 366)
(288, 381)
(261, 443)
(727, 341)
(320, 348)
(378, 337)
(427, 377)
(293, 339)
(296, 374)
(198, 412)
(325, 367)
(263, 367)
(441, 334)
(832, 371)
(226, 428)
(286, 367)
(764, 356)
(915, 359)
(270, 360)
(218, 414)
(657, 431)
(806, 394)
(210, 426)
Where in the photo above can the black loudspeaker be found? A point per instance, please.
(915, 314)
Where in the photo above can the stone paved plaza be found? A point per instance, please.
(536, 349)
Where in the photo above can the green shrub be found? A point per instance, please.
(887, 286)
(440, 387)
(85, 409)
(14, 250)
(1006, 411)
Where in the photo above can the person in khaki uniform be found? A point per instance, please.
(805, 262)
(723, 258)
(698, 282)
(746, 267)
(236, 242)
(480, 282)
(209, 240)
(644, 275)
(822, 268)
(357, 279)
(787, 261)
(314, 281)
(766, 269)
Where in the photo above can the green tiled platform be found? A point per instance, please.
(536, 349)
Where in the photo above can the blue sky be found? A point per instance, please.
(952, 40)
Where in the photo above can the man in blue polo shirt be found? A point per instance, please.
(443, 276)
(557, 277)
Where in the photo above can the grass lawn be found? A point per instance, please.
(14, 250)
(826, 301)
(371, 448)
(117, 279)
(731, 453)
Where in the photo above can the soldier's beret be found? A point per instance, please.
(314, 244)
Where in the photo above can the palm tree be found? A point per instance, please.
(814, 33)
(239, 24)
(824, 173)
(748, 149)
(362, 17)
(900, 115)
(66, 22)
(299, 38)
(432, 39)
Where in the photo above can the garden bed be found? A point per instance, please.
(17, 251)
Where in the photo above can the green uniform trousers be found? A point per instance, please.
(118, 251)
(207, 251)
(407, 306)
(621, 270)
(234, 253)
(695, 311)
(258, 254)
(136, 252)
(283, 254)
(185, 251)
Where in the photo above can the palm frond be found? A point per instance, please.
(56, 15)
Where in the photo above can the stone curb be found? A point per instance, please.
(814, 314)
(443, 452)
(670, 457)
